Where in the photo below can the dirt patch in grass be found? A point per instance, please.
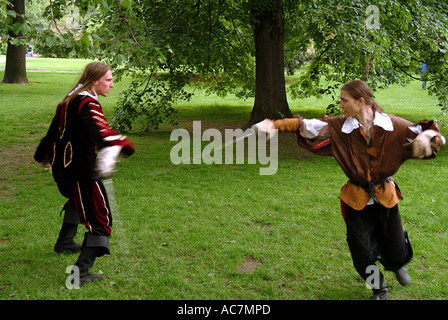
(249, 265)
(16, 163)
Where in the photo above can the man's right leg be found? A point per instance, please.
(93, 246)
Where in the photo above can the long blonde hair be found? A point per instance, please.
(359, 89)
(93, 72)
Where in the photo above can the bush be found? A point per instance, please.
(148, 101)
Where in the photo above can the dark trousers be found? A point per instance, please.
(91, 202)
(376, 233)
(92, 206)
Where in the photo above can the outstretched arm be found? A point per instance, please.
(283, 125)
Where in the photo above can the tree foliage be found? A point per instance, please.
(176, 40)
(383, 47)
(214, 41)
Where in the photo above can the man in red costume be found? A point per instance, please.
(81, 149)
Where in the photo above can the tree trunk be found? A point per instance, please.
(270, 91)
(15, 67)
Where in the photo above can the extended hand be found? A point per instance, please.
(426, 144)
(266, 126)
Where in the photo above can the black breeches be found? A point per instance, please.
(376, 233)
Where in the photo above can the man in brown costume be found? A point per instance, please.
(369, 146)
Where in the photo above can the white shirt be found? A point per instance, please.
(312, 127)
(381, 120)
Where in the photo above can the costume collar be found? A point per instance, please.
(381, 120)
(85, 93)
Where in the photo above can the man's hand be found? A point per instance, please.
(106, 159)
(426, 144)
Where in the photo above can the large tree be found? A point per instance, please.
(224, 40)
(15, 67)
(268, 23)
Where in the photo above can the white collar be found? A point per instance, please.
(84, 93)
(381, 120)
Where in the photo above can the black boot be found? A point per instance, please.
(402, 276)
(380, 294)
(68, 231)
(93, 246)
(85, 261)
(375, 280)
(65, 240)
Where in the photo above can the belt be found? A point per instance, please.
(369, 186)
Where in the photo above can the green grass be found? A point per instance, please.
(56, 64)
(209, 231)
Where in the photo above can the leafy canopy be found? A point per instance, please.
(163, 44)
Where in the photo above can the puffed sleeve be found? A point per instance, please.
(99, 130)
(312, 134)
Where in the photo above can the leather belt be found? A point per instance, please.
(369, 186)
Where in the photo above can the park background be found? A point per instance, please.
(222, 232)
(207, 231)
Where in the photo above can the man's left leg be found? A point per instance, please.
(68, 230)
(94, 246)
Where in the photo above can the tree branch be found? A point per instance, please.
(404, 71)
(53, 20)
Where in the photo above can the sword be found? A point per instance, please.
(247, 135)
(109, 185)
(197, 156)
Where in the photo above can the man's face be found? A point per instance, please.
(104, 84)
(349, 105)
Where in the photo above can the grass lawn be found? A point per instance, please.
(208, 231)
(56, 64)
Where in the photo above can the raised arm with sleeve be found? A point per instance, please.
(369, 158)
